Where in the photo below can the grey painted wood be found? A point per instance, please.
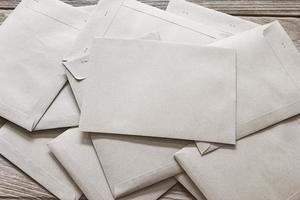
(289, 8)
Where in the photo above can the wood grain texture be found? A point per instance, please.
(287, 8)
(273, 8)
(14, 184)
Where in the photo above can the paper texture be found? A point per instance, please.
(185, 180)
(130, 19)
(131, 163)
(63, 112)
(30, 153)
(35, 76)
(128, 94)
(98, 24)
(80, 68)
(220, 21)
(267, 80)
(262, 166)
(75, 152)
(159, 175)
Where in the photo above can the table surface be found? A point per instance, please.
(14, 184)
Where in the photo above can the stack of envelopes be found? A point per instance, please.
(123, 100)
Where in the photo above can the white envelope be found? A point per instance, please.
(30, 153)
(262, 166)
(131, 163)
(220, 21)
(33, 40)
(167, 162)
(63, 111)
(129, 93)
(79, 68)
(185, 180)
(131, 19)
(75, 152)
(118, 154)
(268, 79)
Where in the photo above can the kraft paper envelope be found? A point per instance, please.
(186, 181)
(137, 87)
(268, 79)
(75, 152)
(33, 40)
(221, 21)
(30, 153)
(263, 166)
(131, 163)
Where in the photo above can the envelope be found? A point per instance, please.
(131, 163)
(77, 65)
(75, 152)
(62, 112)
(262, 166)
(30, 153)
(268, 79)
(221, 21)
(185, 180)
(46, 29)
(130, 19)
(167, 162)
(79, 68)
(137, 87)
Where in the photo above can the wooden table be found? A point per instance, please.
(16, 185)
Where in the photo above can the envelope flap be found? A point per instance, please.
(284, 49)
(77, 67)
(220, 21)
(59, 11)
(175, 19)
(14, 152)
(75, 152)
(148, 178)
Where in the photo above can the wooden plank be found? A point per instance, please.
(283, 8)
(287, 8)
(14, 184)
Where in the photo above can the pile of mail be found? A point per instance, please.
(123, 100)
